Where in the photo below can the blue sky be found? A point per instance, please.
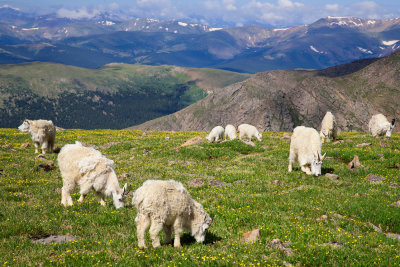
(218, 12)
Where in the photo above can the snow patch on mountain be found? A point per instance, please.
(316, 50)
(366, 51)
(183, 24)
(389, 43)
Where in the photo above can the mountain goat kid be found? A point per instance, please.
(249, 130)
(90, 169)
(230, 132)
(167, 205)
(216, 134)
(305, 148)
(43, 133)
(379, 126)
(328, 127)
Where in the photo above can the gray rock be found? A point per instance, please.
(55, 239)
(217, 183)
(363, 144)
(278, 244)
(239, 181)
(248, 142)
(396, 204)
(196, 182)
(372, 178)
(332, 176)
(376, 228)
(393, 235)
(393, 185)
(334, 244)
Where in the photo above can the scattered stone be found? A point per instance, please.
(124, 175)
(337, 215)
(25, 145)
(41, 157)
(217, 183)
(47, 166)
(355, 163)
(396, 204)
(357, 195)
(278, 244)
(277, 182)
(196, 182)
(252, 236)
(349, 140)
(248, 142)
(363, 144)
(338, 142)
(397, 165)
(133, 157)
(334, 244)
(393, 185)
(373, 179)
(393, 235)
(376, 228)
(55, 239)
(239, 181)
(167, 138)
(322, 218)
(7, 146)
(133, 148)
(275, 147)
(193, 141)
(286, 137)
(382, 144)
(287, 264)
(332, 176)
(266, 147)
(108, 145)
(57, 190)
(145, 152)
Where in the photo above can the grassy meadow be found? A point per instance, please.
(290, 209)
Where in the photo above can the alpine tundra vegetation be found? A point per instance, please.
(323, 221)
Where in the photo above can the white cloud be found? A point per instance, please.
(229, 5)
(332, 7)
(289, 4)
(80, 13)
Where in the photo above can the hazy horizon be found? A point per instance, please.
(277, 13)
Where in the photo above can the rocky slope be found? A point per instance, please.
(281, 100)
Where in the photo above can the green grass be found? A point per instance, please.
(30, 203)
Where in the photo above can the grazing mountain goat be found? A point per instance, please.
(166, 205)
(305, 148)
(379, 125)
(328, 127)
(90, 169)
(43, 133)
(249, 130)
(216, 134)
(230, 132)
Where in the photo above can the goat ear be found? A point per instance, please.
(323, 157)
(393, 122)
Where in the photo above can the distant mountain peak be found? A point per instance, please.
(10, 7)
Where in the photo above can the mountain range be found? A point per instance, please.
(107, 38)
(283, 99)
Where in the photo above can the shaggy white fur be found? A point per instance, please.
(305, 148)
(249, 131)
(379, 126)
(328, 127)
(90, 169)
(43, 133)
(230, 132)
(216, 134)
(167, 205)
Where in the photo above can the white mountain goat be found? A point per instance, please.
(379, 126)
(230, 132)
(43, 133)
(167, 205)
(328, 127)
(305, 148)
(249, 130)
(90, 169)
(216, 134)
